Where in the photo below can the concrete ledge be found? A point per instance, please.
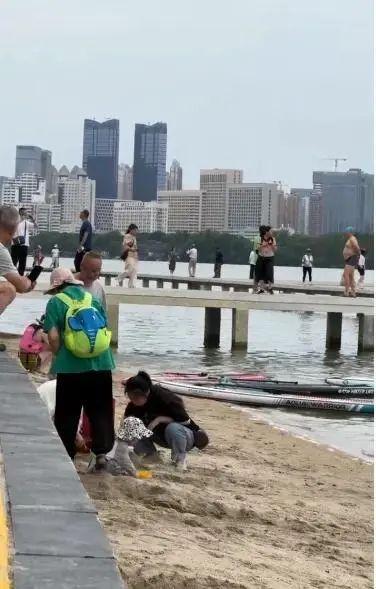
(58, 540)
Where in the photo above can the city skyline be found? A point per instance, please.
(255, 89)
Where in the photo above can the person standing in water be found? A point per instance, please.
(130, 257)
(218, 263)
(351, 253)
(172, 261)
(307, 264)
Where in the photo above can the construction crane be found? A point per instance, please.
(336, 160)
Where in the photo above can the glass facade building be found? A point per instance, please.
(101, 156)
(149, 167)
(28, 160)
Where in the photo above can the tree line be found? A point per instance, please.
(326, 249)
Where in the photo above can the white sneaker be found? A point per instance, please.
(181, 465)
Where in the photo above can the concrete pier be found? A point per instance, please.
(212, 331)
(366, 333)
(113, 321)
(239, 338)
(333, 331)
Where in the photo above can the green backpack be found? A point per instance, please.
(86, 334)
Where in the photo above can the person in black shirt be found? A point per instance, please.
(218, 263)
(164, 413)
(85, 237)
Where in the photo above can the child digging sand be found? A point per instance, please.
(124, 461)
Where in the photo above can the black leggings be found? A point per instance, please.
(19, 257)
(93, 392)
(264, 269)
(307, 271)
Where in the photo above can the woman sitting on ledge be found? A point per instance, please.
(163, 413)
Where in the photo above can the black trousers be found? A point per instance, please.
(78, 259)
(264, 269)
(217, 270)
(19, 257)
(93, 392)
(251, 271)
(305, 271)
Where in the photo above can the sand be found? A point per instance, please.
(257, 509)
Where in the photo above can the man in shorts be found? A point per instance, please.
(351, 253)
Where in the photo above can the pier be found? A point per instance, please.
(241, 302)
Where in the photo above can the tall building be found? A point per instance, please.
(9, 192)
(31, 188)
(46, 215)
(149, 166)
(251, 205)
(73, 195)
(346, 199)
(315, 214)
(31, 159)
(125, 182)
(184, 209)
(148, 216)
(104, 214)
(100, 156)
(214, 184)
(175, 176)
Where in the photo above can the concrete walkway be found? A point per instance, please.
(58, 540)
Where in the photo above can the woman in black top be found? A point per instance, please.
(164, 413)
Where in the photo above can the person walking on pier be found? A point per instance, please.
(12, 282)
(76, 324)
(172, 261)
(307, 264)
(252, 264)
(38, 256)
(85, 239)
(130, 257)
(218, 263)
(55, 255)
(351, 253)
(192, 254)
(21, 240)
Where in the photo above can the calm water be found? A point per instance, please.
(283, 344)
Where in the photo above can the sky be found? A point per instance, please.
(269, 86)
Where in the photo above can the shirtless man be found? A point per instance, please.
(351, 253)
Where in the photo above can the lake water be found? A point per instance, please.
(284, 344)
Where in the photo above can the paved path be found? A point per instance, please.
(58, 540)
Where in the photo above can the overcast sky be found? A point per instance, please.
(269, 86)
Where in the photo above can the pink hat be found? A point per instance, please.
(60, 277)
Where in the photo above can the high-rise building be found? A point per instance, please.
(315, 214)
(214, 184)
(184, 209)
(251, 205)
(9, 192)
(75, 194)
(149, 166)
(125, 182)
(31, 159)
(175, 176)
(46, 215)
(100, 156)
(104, 214)
(31, 188)
(346, 199)
(148, 216)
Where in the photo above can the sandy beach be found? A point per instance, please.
(257, 509)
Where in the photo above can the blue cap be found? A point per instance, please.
(349, 229)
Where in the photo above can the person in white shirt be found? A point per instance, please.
(307, 263)
(192, 264)
(252, 264)
(21, 241)
(55, 255)
(362, 267)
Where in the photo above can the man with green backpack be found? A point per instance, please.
(78, 334)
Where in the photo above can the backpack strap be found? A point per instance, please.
(73, 304)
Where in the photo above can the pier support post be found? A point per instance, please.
(107, 280)
(239, 329)
(212, 332)
(175, 285)
(159, 283)
(333, 330)
(145, 283)
(366, 333)
(113, 322)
